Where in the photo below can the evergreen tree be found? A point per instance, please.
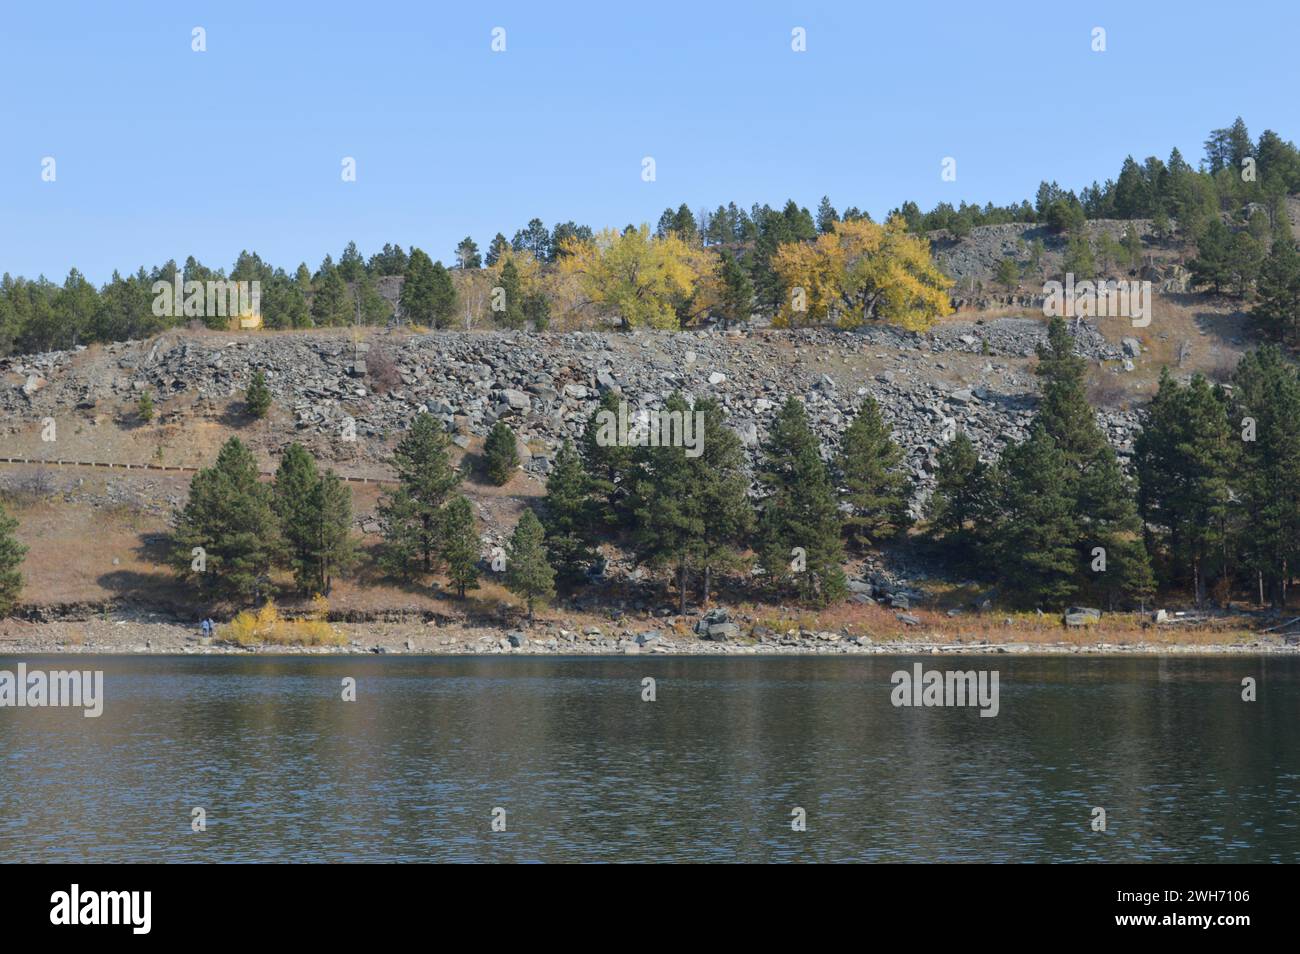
(528, 575)
(499, 246)
(1186, 457)
(1132, 248)
(666, 506)
(511, 313)
(1104, 510)
(1278, 308)
(391, 261)
(334, 547)
(467, 255)
(826, 216)
(428, 296)
(374, 308)
(875, 489)
(11, 561)
(737, 299)
(1213, 263)
(1034, 537)
(257, 399)
(722, 484)
(444, 296)
(460, 545)
(799, 524)
(607, 462)
(537, 310)
(229, 515)
(569, 517)
(351, 265)
(1266, 394)
(410, 515)
(500, 458)
(1008, 273)
(535, 239)
(331, 303)
(1079, 259)
(315, 519)
(292, 496)
(564, 235)
(1245, 258)
(959, 505)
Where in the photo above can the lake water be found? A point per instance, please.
(710, 771)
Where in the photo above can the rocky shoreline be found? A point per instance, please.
(126, 637)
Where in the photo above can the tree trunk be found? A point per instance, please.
(708, 571)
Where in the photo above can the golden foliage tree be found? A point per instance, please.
(860, 272)
(638, 279)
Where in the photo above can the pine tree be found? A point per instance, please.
(334, 547)
(500, 457)
(799, 524)
(331, 303)
(1186, 457)
(826, 216)
(460, 545)
(528, 575)
(467, 255)
(374, 307)
(428, 295)
(295, 484)
(607, 462)
(410, 515)
(569, 517)
(875, 489)
(1278, 308)
(144, 407)
(229, 515)
(498, 247)
(960, 502)
(723, 487)
(1213, 263)
(1104, 512)
(537, 310)
(1008, 274)
(11, 561)
(1079, 259)
(1266, 396)
(665, 505)
(257, 399)
(511, 312)
(1133, 247)
(737, 300)
(1034, 538)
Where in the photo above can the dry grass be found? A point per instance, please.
(268, 627)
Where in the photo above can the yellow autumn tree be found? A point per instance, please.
(861, 272)
(636, 278)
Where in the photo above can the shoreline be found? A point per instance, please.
(101, 637)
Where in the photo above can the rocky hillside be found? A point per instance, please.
(971, 375)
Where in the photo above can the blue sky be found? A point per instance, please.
(163, 152)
